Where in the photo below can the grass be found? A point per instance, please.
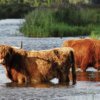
(95, 36)
(37, 23)
(96, 32)
(63, 22)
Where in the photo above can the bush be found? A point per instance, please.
(63, 30)
(78, 16)
(69, 21)
(37, 23)
(14, 10)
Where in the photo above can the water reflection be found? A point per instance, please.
(88, 76)
(39, 85)
(42, 85)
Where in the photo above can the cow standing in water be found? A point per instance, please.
(87, 52)
(38, 66)
(97, 53)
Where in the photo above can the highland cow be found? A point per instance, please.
(87, 52)
(38, 66)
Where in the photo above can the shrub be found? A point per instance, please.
(14, 10)
(69, 21)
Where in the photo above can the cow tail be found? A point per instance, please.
(72, 62)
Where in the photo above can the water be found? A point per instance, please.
(88, 83)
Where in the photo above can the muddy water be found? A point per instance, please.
(88, 83)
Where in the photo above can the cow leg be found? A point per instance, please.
(83, 68)
(67, 79)
(8, 74)
(64, 78)
(21, 78)
(63, 75)
(84, 65)
(66, 75)
(97, 66)
(60, 77)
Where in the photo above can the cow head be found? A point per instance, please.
(6, 54)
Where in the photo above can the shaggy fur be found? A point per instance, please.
(38, 66)
(87, 52)
(97, 53)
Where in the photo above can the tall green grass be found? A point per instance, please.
(37, 23)
(70, 21)
(96, 32)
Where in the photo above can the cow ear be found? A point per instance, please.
(56, 52)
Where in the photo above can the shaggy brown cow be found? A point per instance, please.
(97, 53)
(38, 66)
(86, 52)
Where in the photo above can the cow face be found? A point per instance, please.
(5, 54)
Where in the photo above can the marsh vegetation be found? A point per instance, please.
(54, 18)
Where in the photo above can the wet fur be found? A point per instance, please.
(86, 52)
(38, 66)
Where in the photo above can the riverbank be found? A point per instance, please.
(62, 22)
